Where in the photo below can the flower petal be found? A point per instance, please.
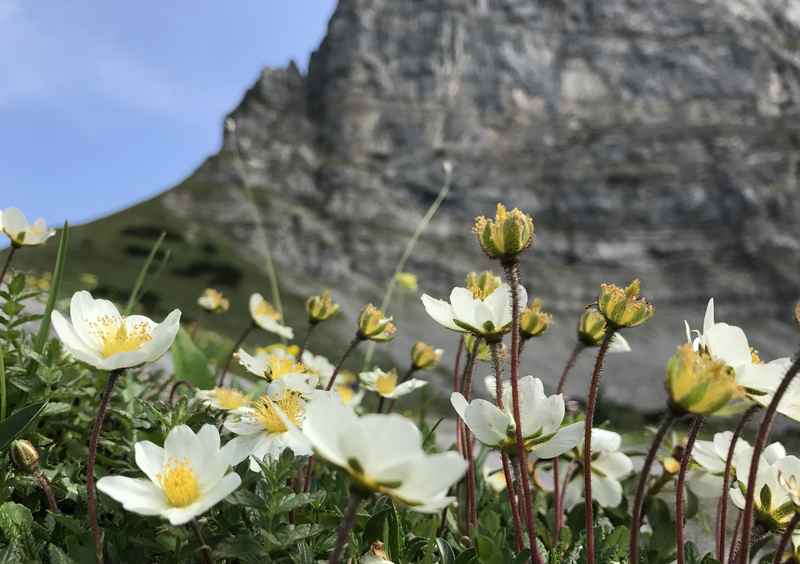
(565, 439)
(135, 494)
(223, 488)
(149, 458)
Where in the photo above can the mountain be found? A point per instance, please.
(648, 139)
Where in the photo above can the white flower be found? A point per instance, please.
(382, 453)
(706, 482)
(494, 477)
(468, 314)
(728, 344)
(385, 383)
(789, 476)
(16, 227)
(185, 478)
(319, 365)
(278, 366)
(773, 501)
(225, 399)
(269, 425)
(98, 335)
(213, 301)
(541, 418)
(266, 317)
(609, 466)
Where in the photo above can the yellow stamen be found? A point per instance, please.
(116, 337)
(266, 309)
(230, 399)
(386, 383)
(280, 366)
(179, 483)
(292, 406)
(346, 393)
(755, 358)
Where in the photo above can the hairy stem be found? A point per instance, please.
(466, 391)
(591, 402)
(697, 423)
(205, 550)
(758, 448)
(350, 348)
(311, 327)
(48, 491)
(511, 268)
(90, 486)
(236, 345)
(348, 520)
(636, 521)
(726, 480)
(573, 358)
(498, 381)
(736, 541)
(785, 538)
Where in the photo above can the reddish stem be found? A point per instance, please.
(90, 487)
(466, 391)
(785, 538)
(758, 448)
(512, 275)
(48, 491)
(726, 481)
(679, 505)
(236, 345)
(587, 443)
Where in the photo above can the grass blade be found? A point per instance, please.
(55, 287)
(137, 287)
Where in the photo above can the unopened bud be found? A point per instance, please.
(24, 456)
(533, 321)
(374, 326)
(484, 350)
(624, 307)
(671, 466)
(592, 327)
(406, 280)
(698, 384)
(321, 308)
(424, 356)
(505, 236)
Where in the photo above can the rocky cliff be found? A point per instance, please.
(649, 139)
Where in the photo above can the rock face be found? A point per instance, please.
(649, 139)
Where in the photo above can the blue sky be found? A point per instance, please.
(103, 104)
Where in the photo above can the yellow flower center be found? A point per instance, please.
(267, 415)
(386, 383)
(346, 393)
(280, 366)
(116, 337)
(266, 309)
(754, 357)
(230, 399)
(179, 483)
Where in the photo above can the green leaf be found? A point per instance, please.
(16, 522)
(55, 287)
(137, 287)
(12, 427)
(190, 362)
(469, 556)
(393, 538)
(58, 556)
(445, 551)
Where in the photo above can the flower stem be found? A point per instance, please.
(787, 535)
(90, 487)
(636, 521)
(726, 480)
(697, 423)
(587, 442)
(205, 550)
(736, 542)
(459, 423)
(48, 491)
(573, 358)
(311, 327)
(758, 448)
(174, 389)
(558, 520)
(511, 268)
(350, 348)
(498, 381)
(8, 262)
(236, 345)
(466, 391)
(348, 520)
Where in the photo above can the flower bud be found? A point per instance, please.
(696, 383)
(482, 284)
(374, 326)
(484, 350)
(424, 356)
(592, 327)
(213, 301)
(533, 321)
(321, 308)
(505, 236)
(671, 465)
(24, 456)
(624, 308)
(406, 280)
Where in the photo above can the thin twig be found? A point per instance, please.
(205, 550)
(679, 492)
(236, 345)
(348, 519)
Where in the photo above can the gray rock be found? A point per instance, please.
(648, 139)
